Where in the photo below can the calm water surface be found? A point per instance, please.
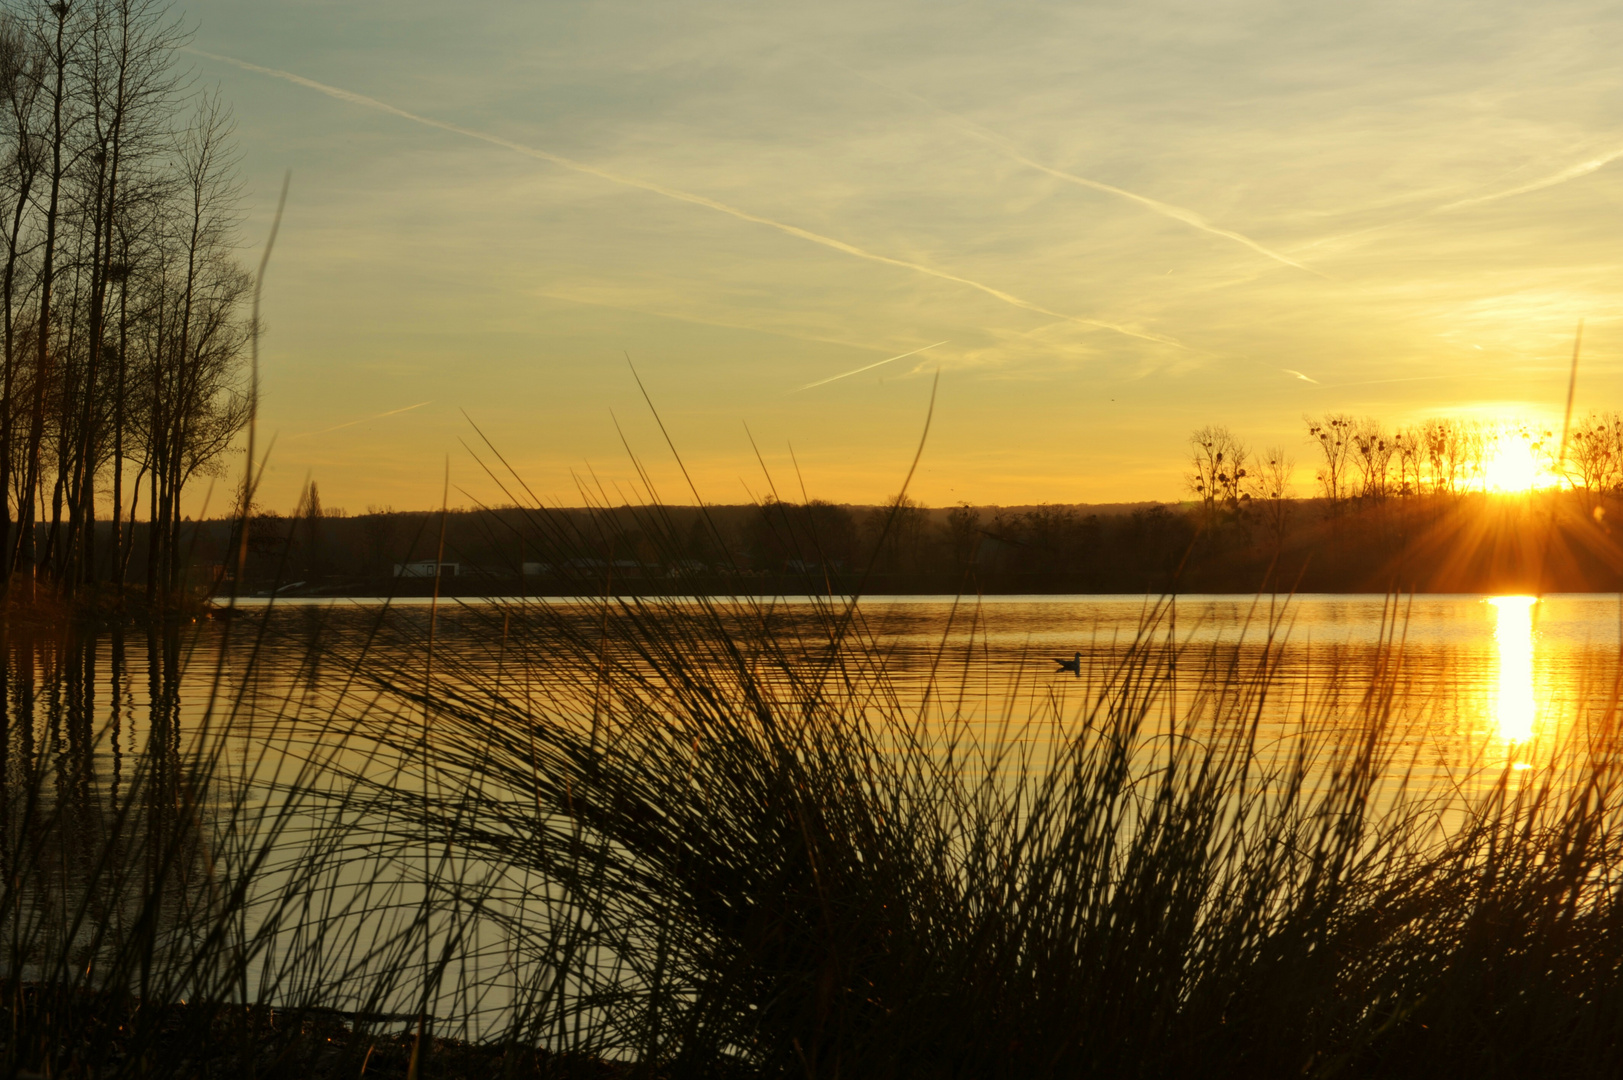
(1476, 675)
(1478, 688)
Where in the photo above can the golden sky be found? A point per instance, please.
(1119, 222)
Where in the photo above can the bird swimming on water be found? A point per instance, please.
(1073, 665)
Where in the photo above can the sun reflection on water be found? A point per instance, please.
(1515, 711)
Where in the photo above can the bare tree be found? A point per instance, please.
(19, 83)
(1409, 453)
(893, 533)
(1333, 434)
(1373, 451)
(119, 293)
(1217, 470)
(1448, 453)
(964, 533)
(1271, 475)
(1594, 458)
(1478, 444)
(130, 87)
(193, 336)
(56, 39)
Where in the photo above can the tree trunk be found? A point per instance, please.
(129, 539)
(36, 434)
(120, 555)
(8, 297)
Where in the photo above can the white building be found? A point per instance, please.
(425, 568)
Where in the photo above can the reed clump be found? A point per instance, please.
(701, 837)
(753, 850)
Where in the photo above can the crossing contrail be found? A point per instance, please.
(684, 196)
(362, 420)
(1571, 172)
(986, 135)
(1176, 213)
(870, 367)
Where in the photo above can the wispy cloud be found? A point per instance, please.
(577, 296)
(869, 367)
(362, 420)
(687, 197)
(1383, 382)
(1299, 375)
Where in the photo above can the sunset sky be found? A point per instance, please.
(1120, 222)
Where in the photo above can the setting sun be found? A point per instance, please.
(1514, 466)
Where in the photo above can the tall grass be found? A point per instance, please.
(715, 837)
(758, 856)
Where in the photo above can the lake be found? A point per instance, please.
(308, 696)
(1480, 678)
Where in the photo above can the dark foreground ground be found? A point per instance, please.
(124, 1038)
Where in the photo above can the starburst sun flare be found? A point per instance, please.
(1516, 464)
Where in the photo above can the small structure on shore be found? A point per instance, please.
(426, 568)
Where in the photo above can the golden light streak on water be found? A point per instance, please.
(1515, 709)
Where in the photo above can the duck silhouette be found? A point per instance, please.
(1073, 665)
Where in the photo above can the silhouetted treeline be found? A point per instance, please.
(1365, 459)
(1466, 542)
(119, 291)
(1445, 505)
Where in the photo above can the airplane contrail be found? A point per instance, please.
(1571, 172)
(362, 420)
(682, 196)
(1176, 213)
(1299, 375)
(870, 367)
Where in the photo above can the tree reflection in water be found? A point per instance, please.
(101, 821)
